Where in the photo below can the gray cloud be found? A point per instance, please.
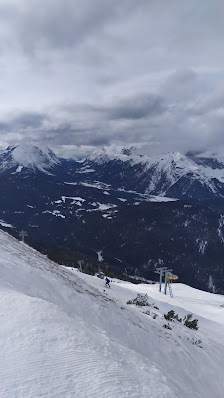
(137, 107)
(144, 119)
(58, 25)
(87, 73)
(23, 121)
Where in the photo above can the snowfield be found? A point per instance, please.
(64, 334)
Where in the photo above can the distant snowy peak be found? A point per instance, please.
(211, 155)
(209, 159)
(170, 173)
(29, 157)
(131, 154)
(167, 161)
(114, 152)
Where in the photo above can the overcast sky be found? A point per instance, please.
(80, 74)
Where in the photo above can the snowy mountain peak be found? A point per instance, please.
(27, 156)
(128, 151)
(117, 152)
(174, 161)
(133, 154)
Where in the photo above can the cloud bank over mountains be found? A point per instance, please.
(79, 75)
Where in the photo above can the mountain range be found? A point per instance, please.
(117, 207)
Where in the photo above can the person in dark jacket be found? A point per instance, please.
(107, 282)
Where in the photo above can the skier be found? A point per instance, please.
(107, 282)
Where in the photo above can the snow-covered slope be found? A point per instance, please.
(30, 157)
(64, 335)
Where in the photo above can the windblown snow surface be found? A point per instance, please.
(63, 334)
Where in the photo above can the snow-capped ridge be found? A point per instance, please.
(170, 174)
(28, 157)
(134, 156)
(163, 171)
(114, 152)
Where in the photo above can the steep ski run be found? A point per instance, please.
(66, 335)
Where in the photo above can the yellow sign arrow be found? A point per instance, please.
(173, 277)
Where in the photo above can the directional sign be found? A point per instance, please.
(173, 277)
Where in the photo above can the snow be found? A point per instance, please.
(5, 224)
(208, 173)
(70, 183)
(165, 169)
(86, 170)
(172, 165)
(64, 334)
(76, 200)
(100, 257)
(57, 214)
(96, 184)
(164, 161)
(18, 170)
(54, 213)
(107, 216)
(102, 206)
(28, 156)
(161, 199)
(201, 303)
(211, 155)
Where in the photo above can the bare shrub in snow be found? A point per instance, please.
(188, 321)
(191, 324)
(141, 300)
(167, 326)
